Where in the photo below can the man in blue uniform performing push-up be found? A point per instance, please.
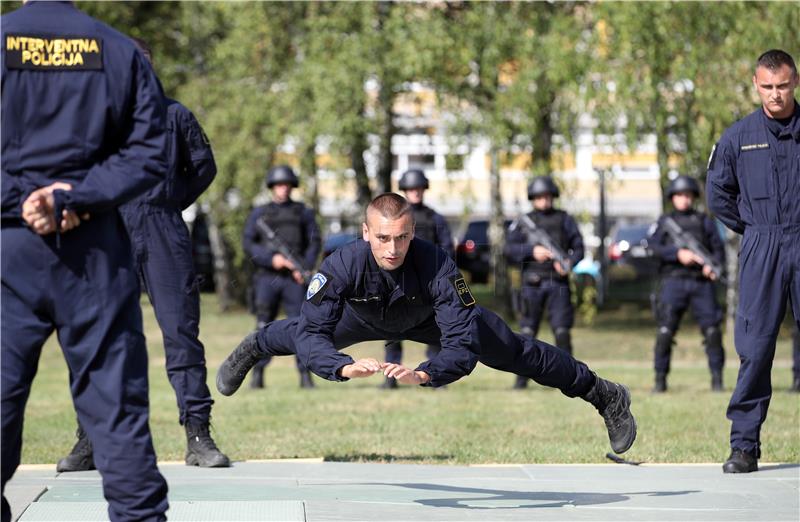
(395, 286)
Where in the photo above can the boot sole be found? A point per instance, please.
(224, 388)
(632, 436)
(192, 460)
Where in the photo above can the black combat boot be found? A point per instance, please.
(80, 458)
(305, 379)
(740, 462)
(520, 383)
(613, 402)
(200, 447)
(716, 380)
(234, 369)
(660, 385)
(390, 383)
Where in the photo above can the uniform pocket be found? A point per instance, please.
(756, 174)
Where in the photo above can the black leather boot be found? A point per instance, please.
(613, 403)
(81, 457)
(740, 462)
(201, 449)
(233, 371)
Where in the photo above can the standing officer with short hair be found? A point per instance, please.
(83, 131)
(162, 252)
(430, 226)
(687, 281)
(276, 279)
(753, 187)
(545, 283)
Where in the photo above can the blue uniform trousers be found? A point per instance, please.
(494, 342)
(769, 276)
(675, 296)
(162, 251)
(554, 295)
(87, 291)
(272, 290)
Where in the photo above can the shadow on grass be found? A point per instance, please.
(496, 499)
(385, 457)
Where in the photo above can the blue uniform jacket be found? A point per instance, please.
(261, 252)
(109, 153)
(520, 251)
(745, 187)
(665, 250)
(421, 290)
(192, 166)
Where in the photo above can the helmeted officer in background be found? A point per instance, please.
(162, 253)
(753, 186)
(686, 281)
(545, 283)
(83, 131)
(430, 226)
(277, 280)
(392, 285)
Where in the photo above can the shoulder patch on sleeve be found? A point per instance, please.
(463, 291)
(316, 287)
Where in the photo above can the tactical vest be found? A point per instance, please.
(287, 222)
(424, 223)
(691, 223)
(551, 222)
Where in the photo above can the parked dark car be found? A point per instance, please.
(632, 268)
(334, 241)
(473, 251)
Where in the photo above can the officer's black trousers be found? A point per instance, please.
(494, 342)
(87, 292)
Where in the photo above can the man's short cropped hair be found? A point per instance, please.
(389, 205)
(774, 59)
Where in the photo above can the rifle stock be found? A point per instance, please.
(281, 246)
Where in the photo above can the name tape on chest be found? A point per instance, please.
(754, 146)
(463, 291)
(316, 287)
(53, 53)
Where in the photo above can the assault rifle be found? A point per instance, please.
(683, 239)
(538, 236)
(281, 246)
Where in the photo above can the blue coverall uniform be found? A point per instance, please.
(753, 187)
(541, 284)
(162, 252)
(430, 226)
(295, 224)
(80, 105)
(426, 300)
(684, 286)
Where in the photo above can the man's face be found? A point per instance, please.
(776, 90)
(415, 195)
(281, 192)
(682, 201)
(543, 202)
(388, 238)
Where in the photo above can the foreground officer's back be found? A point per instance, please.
(82, 107)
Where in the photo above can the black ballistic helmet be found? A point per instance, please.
(281, 174)
(683, 184)
(542, 185)
(412, 179)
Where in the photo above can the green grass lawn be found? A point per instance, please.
(476, 420)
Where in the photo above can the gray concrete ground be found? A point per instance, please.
(327, 491)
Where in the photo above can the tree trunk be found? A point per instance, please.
(222, 266)
(732, 287)
(308, 167)
(497, 238)
(384, 177)
(363, 192)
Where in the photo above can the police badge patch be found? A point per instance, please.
(314, 293)
(463, 291)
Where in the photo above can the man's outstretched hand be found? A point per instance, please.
(404, 375)
(361, 368)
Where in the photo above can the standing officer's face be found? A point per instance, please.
(543, 202)
(281, 192)
(682, 201)
(776, 90)
(388, 238)
(414, 196)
